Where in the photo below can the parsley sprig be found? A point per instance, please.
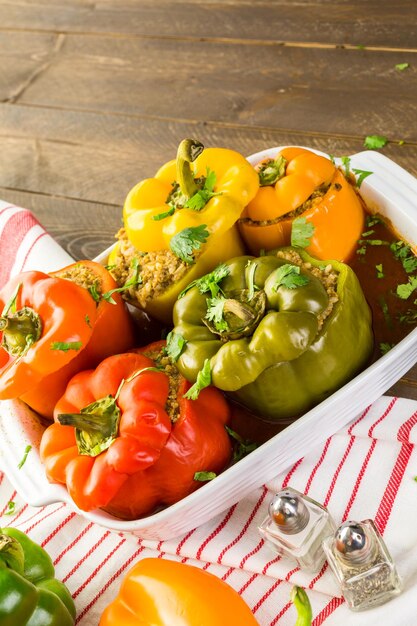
(187, 241)
(203, 380)
(289, 276)
(209, 282)
(301, 232)
(215, 313)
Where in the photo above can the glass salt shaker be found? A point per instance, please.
(362, 565)
(296, 526)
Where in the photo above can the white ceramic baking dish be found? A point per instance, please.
(391, 191)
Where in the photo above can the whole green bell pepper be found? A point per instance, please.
(278, 336)
(29, 593)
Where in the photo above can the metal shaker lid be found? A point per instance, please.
(289, 511)
(353, 543)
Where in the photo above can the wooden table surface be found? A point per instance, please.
(95, 95)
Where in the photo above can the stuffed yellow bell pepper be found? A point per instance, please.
(180, 224)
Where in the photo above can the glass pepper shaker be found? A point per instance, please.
(362, 565)
(296, 526)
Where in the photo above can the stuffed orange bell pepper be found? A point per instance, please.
(180, 224)
(110, 328)
(301, 184)
(158, 592)
(43, 326)
(125, 438)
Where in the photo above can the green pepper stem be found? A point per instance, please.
(20, 331)
(188, 151)
(11, 553)
(96, 426)
(239, 309)
(302, 605)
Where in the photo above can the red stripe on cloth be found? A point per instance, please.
(291, 472)
(383, 416)
(271, 562)
(44, 517)
(183, 540)
(316, 467)
(338, 470)
(85, 557)
(216, 531)
(247, 583)
(57, 529)
(359, 479)
(404, 431)
(245, 526)
(7, 208)
(13, 233)
(73, 543)
(266, 595)
(328, 610)
(108, 583)
(384, 511)
(18, 514)
(251, 553)
(318, 576)
(280, 614)
(1, 477)
(360, 418)
(97, 569)
(227, 574)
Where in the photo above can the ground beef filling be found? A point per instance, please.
(327, 276)
(82, 276)
(158, 270)
(312, 201)
(162, 361)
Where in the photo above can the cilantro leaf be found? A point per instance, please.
(403, 253)
(409, 317)
(164, 214)
(184, 243)
(175, 345)
(203, 476)
(301, 232)
(11, 508)
(289, 276)
(203, 380)
(402, 66)
(405, 290)
(379, 271)
(373, 142)
(215, 313)
(385, 347)
(241, 446)
(65, 346)
(372, 220)
(209, 282)
(198, 201)
(362, 174)
(94, 293)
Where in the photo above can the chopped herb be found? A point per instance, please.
(372, 220)
(301, 232)
(203, 380)
(385, 347)
(135, 280)
(209, 282)
(11, 508)
(403, 252)
(361, 174)
(374, 242)
(65, 346)
(162, 216)
(289, 276)
(409, 317)
(87, 321)
(198, 201)
(94, 293)
(215, 313)
(25, 456)
(241, 446)
(405, 290)
(110, 267)
(368, 233)
(402, 66)
(384, 308)
(203, 476)
(361, 250)
(373, 142)
(184, 243)
(175, 345)
(379, 271)
(346, 164)
(11, 304)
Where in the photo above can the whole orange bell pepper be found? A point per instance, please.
(113, 444)
(300, 183)
(158, 592)
(43, 326)
(112, 331)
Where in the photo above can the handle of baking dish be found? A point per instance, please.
(20, 435)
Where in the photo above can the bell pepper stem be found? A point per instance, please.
(188, 151)
(301, 602)
(11, 553)
(96, 427)
(20, 331)
(242, 311)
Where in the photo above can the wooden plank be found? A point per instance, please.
(371, 23)
(360, 92)
(98, 157)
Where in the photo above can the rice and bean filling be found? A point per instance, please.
(82, 276)
(164, 363)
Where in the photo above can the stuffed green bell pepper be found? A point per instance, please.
(29, 593)
(278, 333)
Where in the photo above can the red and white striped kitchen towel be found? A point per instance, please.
(366, 470)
